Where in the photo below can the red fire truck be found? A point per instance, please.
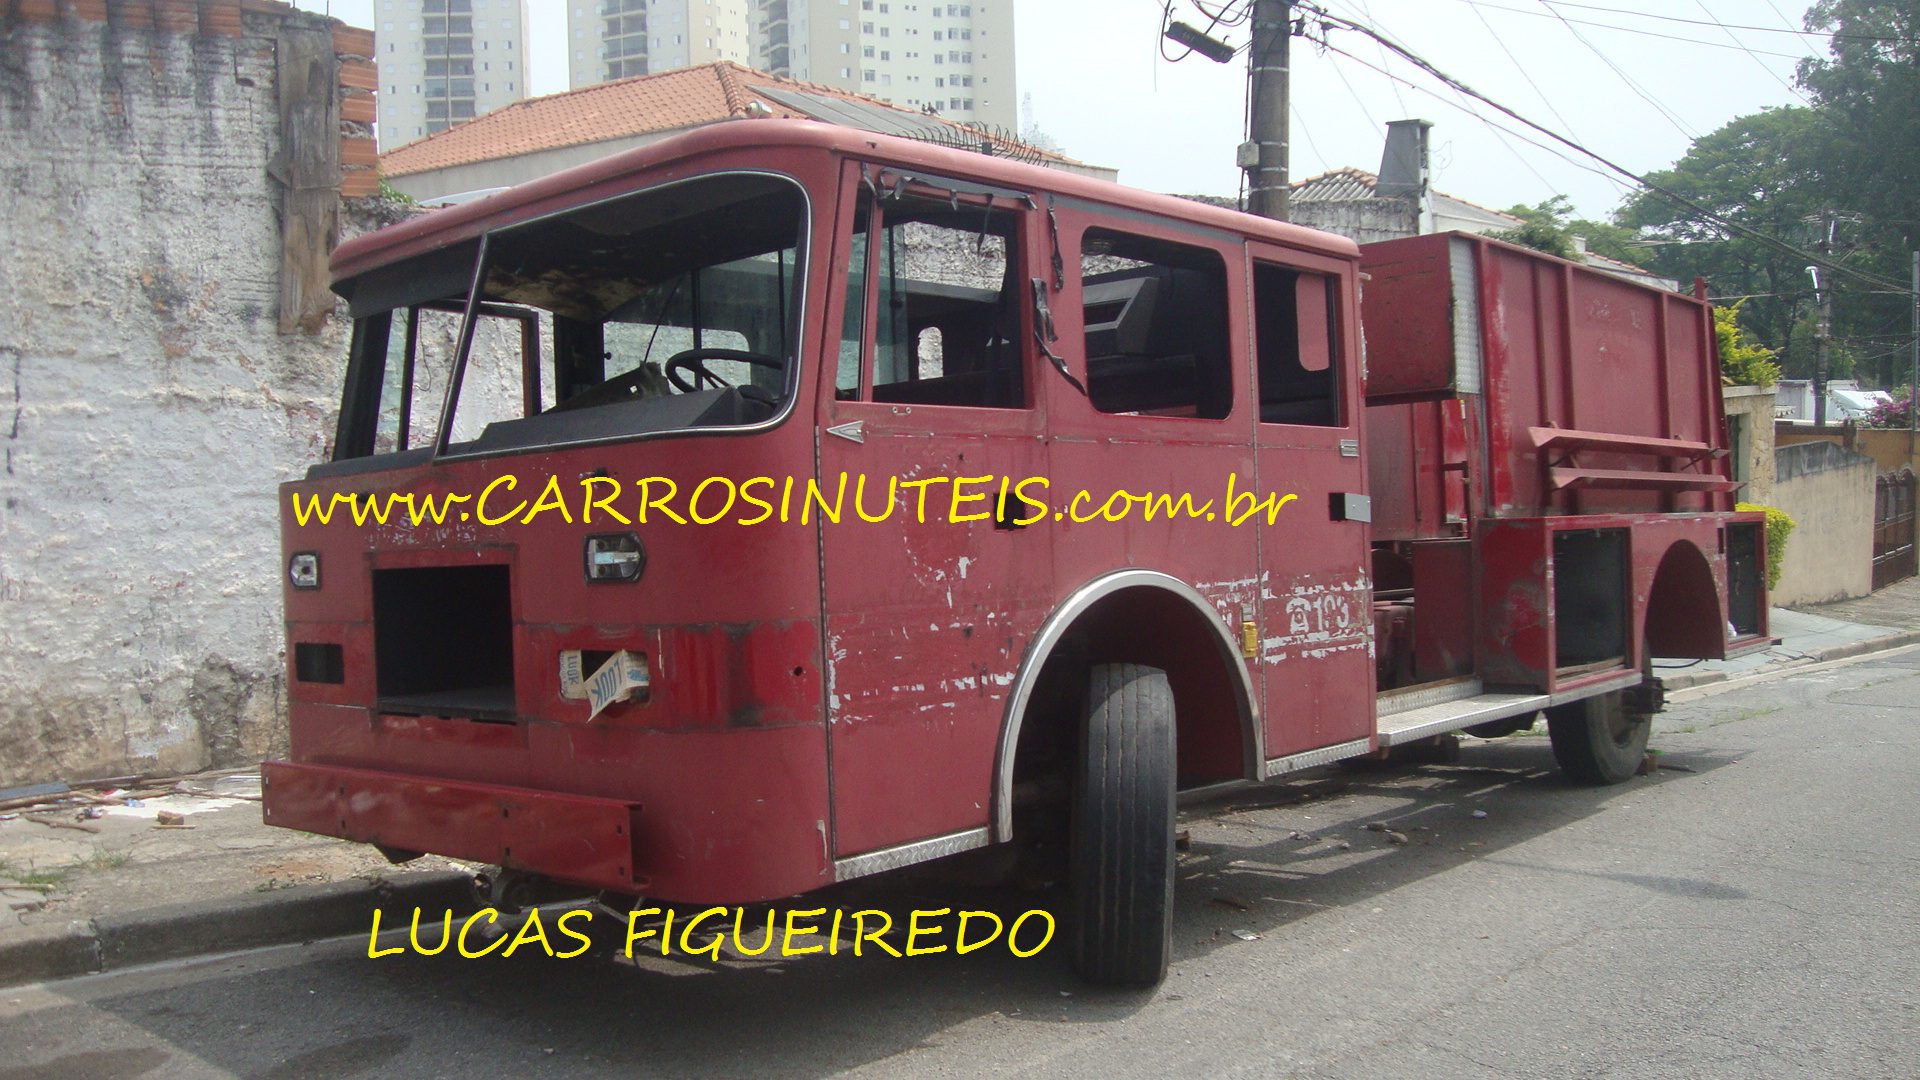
(1075, 497)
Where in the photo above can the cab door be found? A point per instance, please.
(929, 418)
(1316, 616)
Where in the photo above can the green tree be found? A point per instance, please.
(1766, 171)
(1551, 227)
(1868, 92)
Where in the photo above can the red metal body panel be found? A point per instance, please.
(1558, 346)
(486, 823)
(1676, 559)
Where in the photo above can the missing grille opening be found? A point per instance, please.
(443, 641)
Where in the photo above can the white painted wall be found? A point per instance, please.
(149, 407)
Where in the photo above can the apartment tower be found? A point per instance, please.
(444, 61)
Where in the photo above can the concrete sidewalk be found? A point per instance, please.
(94, 893)
(121, 888)
(1888, 619)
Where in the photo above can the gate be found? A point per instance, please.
(1893, 528)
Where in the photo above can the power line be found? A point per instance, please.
(1536, 144)
(1626, 29)
(1700, 212)
(1731, 36)
(1541, 94)
(1736, 26)
(1672, 117)
(1367, 11)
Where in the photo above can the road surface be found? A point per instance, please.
(1749, 911)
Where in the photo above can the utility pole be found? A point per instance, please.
(1823, 300)
(1264, 156)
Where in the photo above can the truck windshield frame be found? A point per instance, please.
(674, 309)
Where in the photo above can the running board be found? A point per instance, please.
(1412, 725)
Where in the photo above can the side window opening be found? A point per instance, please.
(1156, 327)
(948, 320)
(1294, 332)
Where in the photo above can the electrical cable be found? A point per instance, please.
(1736, 26)
(1791, 89)
(1700, 212)
(1626, 29)
(1622, 189)
(1672, 117)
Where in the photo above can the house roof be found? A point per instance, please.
(670, 101)
(1347, 184)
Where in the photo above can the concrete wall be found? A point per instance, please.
(1891, 449)
(1830, 494)
(152, 401)
(1752, 406)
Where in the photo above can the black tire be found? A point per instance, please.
(1122, 828)
(1598, 740)
(1500, 729)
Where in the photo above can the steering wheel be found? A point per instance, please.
(693, 360)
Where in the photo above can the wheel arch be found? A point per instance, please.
(1685, 613)
(1210, 652)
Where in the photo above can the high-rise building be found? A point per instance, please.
(444, 61)
(952, 59)
(613, 39)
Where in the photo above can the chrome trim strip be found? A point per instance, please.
(1477, 711)
(893, 858)
(1393, 702)
(1326, 755)
(1049, 635)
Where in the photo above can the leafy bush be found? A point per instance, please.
(1741, 361)
(1779, 525)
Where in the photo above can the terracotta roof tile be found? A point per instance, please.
(667, 101)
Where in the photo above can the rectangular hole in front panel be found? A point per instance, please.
(1589, 597)
(443, 641)
(319, 662)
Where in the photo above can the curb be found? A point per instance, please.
(202, 927)
(1844, 651)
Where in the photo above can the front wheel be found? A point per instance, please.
(1599, 740)
(1122, 822)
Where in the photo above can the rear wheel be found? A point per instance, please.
(1122, 823)
(1599, 740)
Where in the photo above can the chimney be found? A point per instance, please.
(1404, 171)
(1403, 167)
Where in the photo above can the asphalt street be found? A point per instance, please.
(1747, 911)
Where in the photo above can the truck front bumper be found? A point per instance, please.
(573, 838)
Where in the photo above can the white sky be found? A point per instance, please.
(1099, 87)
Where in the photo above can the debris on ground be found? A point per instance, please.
(55, 824)
(1183, 840)
(170, 818)
(1396, 837)
(1479, 815)
(1246, 935)
(1233, 902)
